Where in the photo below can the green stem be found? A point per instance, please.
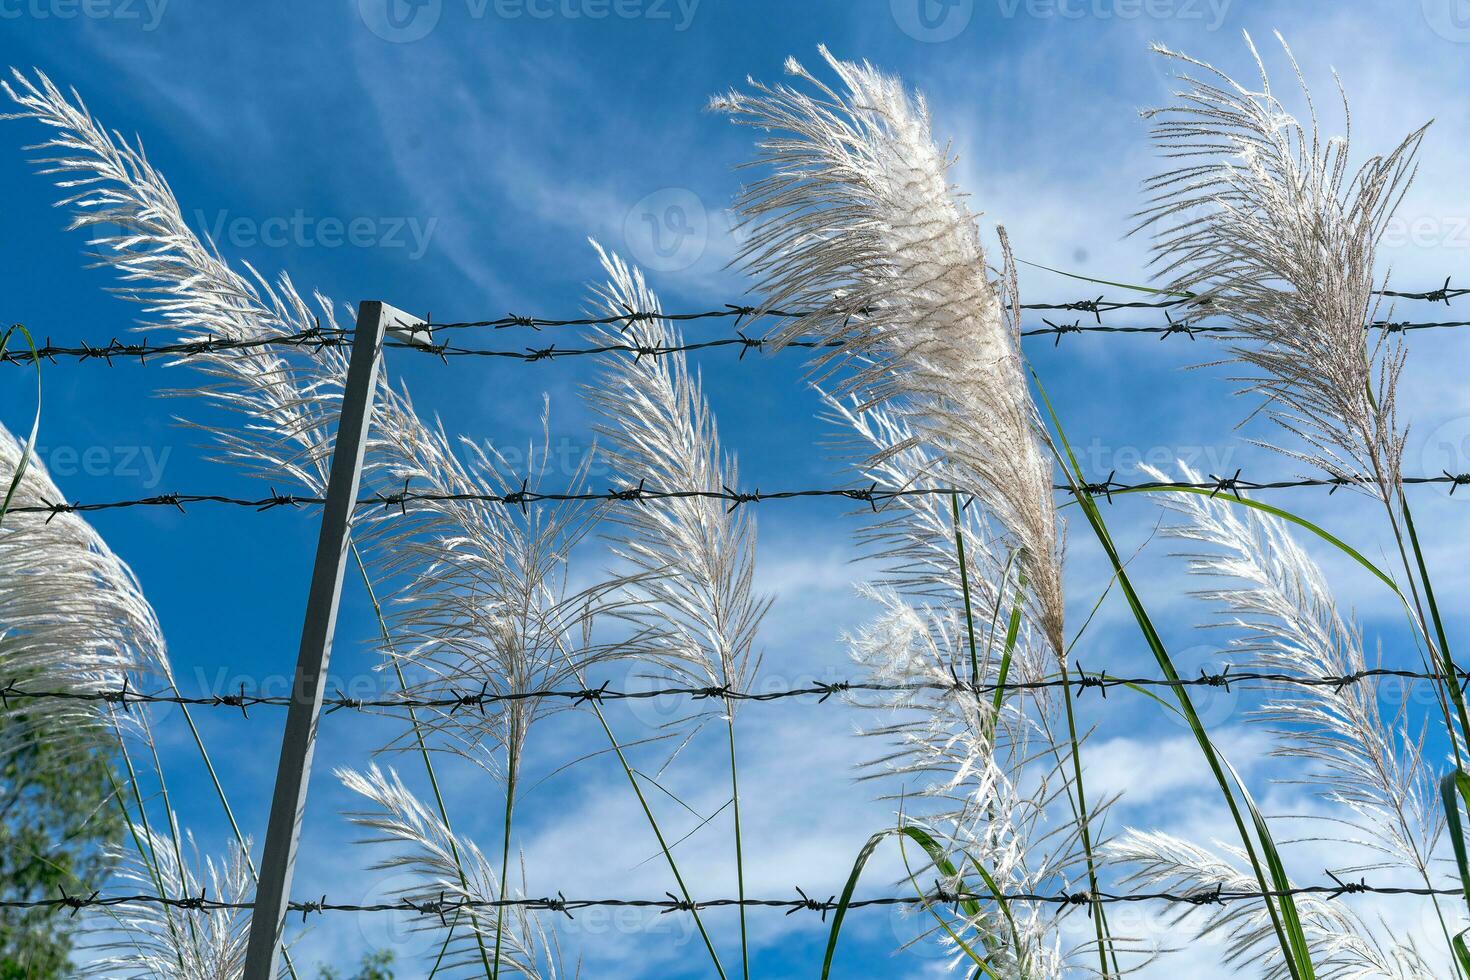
(1084, 825)
(169, 815)
(1451, 671)
(739, 852)
(1284, 920)
(959, 545)
(510, 798)
(653, 823)
(150, 854)
(423, 750)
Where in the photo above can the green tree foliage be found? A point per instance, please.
(374, 966)
(55, 812)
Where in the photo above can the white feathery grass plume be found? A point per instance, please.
(1342, 946)
(695, 556)
(988, 786)
(1371, 768)
(985, 785)
(72, 614)
(858, 223)
(432, 858)
(1286, 621)
(149, 940)
(486, 605)
(116, 195)
(290, 402)
(1262, 218)
(914, 538)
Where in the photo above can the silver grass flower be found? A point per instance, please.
(115, 195)
(913, 538)
(695, 557)
(1285, 620)
(149, 940)
(988, 785)
(1265, 221)
(858, 223)
(1370, 768)
(72, 614)
(983, 784)
(486, 606)
(440, 866)
(1342, 946)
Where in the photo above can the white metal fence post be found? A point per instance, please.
(288, 805)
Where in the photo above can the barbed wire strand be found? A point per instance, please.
(318, 339)
(1226, 679)
(873, 495)
(442, 905)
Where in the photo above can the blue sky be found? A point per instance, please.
(453, 157)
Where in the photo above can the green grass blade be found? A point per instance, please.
(1289, 943)
(981, 963)
(1453, 788)
(1013, 630)
(1108, 282)
(959, 547)
(1284, 515)
(936, 854)
(1448, 666)
(1279, 879)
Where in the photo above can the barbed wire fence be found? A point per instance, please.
(319, 339)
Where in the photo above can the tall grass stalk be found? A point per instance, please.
(1267, 224)
(694, 558)
(855, 220)
(1282, 910)
(1371, 769)
(423, 751)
